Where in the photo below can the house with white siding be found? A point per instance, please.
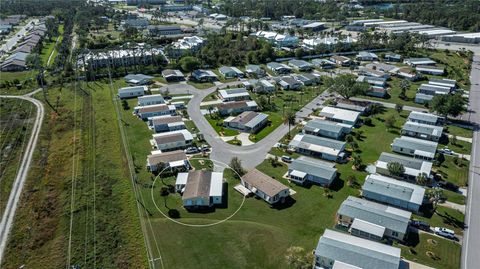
(392, 222)
(318, 147)
(159, 161)
(422, 131)
(248, 122)
(148, 100)
(145, 112)
(413, 167)
(337, 250)
(200, 188)
(166, 123)
(340, 115)
(393, 192)
(265, 187)
(238, 94)
(418, 148)
(424, 118)
(329, 129)
(236, 107)
(174, 140)
(131, 92)
(307, 170)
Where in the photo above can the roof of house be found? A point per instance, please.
(135, 78)
(173, 136)
(397, 189)
(389, 217)
(360, 106)
(340, 114)
(313, 167)
(154, 108)
(424, 97)
(198, 184)
(204, 73)
(166, 157)
(368, 227)
(418, 61)
(364, 54)
(159, 120)
(412, 166)
(264, 183)
(230, 93)
(422, 116)
(275, 65)
(340, 58)
(318, 144)
(250, 118)
(316, 125)
(164, 27)
(134, 88)
(421, 147)
(423, 128)
(289, 80)
(443, 82)
(149, 97)
(428, 68)
(357, 251)
(299, 63)
(19, 56)
(253, 68)
(172, 73)
(236, 104)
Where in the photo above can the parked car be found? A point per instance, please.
(192, 150)
(287, 159)
(446, 151)
(448, 185)
(205, 147)
(444, 232)
(421, 225)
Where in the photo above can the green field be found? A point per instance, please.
(16, 120)
(447, 253)
(97, 169)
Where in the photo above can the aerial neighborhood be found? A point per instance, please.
(241, 134)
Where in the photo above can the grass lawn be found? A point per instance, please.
(201, 86)
(457, 174)
(275, 120)
(395, 90)
(458, 131)
(21, 76)
(446, 251)
(49, 48)
(454, 197)
(16, 120)
(445, 217)
(217, 124)
(41, 233)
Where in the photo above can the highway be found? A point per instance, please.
(471, 246)
(18, 184)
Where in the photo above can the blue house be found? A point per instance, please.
(306, 169)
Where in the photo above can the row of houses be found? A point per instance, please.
(140, 55)
(17, 61)
(434, 87)
(7, 23)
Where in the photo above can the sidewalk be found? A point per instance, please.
(455, 206)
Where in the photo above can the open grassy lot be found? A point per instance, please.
(95, 171)
(454, 197)
(458, 131)
(455, 173)
(16, 120)
(446, 252)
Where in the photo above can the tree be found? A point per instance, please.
(33, 61)
(404, 86)
(390, 121)
(351, 180)
(448, 105)
(125, 105)
(236, 166)
(396, 169)
(357, 161)
(290, 120)
(435, 195)
(189, 63)
(353, 145)
(398, 108)
(453, 140)
(422, 179)
(346, 85)
(298, 258)
(349, 138)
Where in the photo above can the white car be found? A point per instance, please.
(444, 232)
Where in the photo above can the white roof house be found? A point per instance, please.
(200, 188)
(130, 92)
(354, 252)
(413, 167)
(153, 99)
(340, 115)
(234, 94)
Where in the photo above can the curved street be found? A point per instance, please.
(18, 184)
(251, 155)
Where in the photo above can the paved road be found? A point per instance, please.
(251, 155)
(11, 42)
(471, 247)
(17, 187)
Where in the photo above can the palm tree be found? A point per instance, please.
(290, 120)
(422, 179)
(357, 161)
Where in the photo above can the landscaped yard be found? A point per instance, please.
(452, 172)
(216, 121)
(446, 254)
(459, 131)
